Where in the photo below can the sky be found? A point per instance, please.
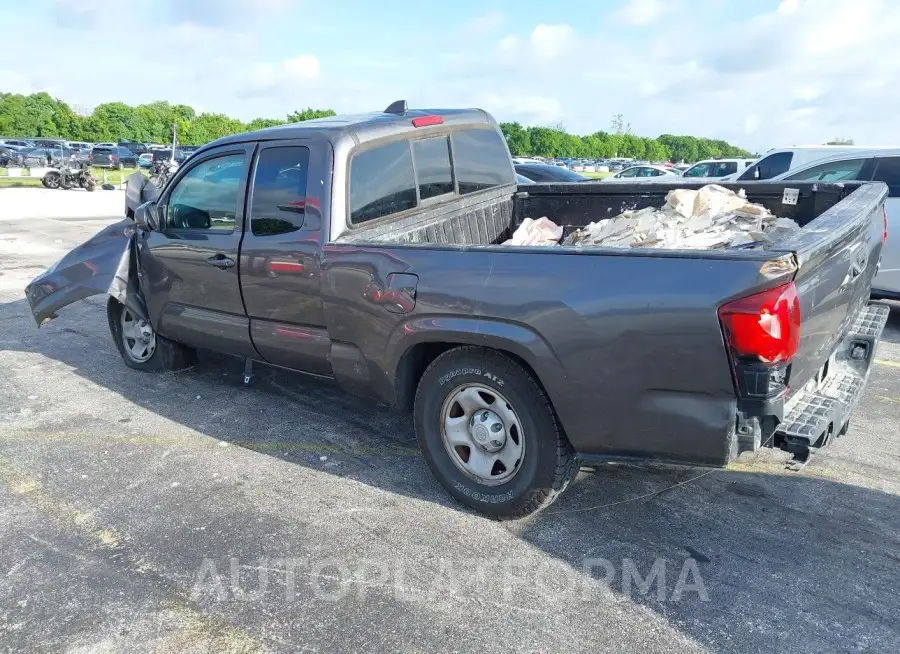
(760, 74)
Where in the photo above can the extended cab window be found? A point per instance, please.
(207, 196)
(481, 160)
(888, 171)
(381, 182)
(831, 172)
(279, 191)
(432, 157)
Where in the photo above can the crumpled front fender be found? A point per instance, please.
(107, 263)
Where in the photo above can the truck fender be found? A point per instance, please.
(519, 340)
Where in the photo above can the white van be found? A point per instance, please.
(777, 162)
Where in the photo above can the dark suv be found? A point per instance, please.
(117, 157)
(135, 147)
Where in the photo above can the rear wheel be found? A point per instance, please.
(490, 435)
(140, 346)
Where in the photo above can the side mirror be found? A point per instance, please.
(146, 217)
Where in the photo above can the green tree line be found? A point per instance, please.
(39, 115)
(557, 143)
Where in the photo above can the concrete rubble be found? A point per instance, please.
(709, 218)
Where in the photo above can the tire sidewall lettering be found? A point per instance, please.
(488, 498)
(471, 371)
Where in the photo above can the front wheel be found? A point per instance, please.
(140, 346)
(51, 180)
(489, 434)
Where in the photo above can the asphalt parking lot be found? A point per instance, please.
(185, 512)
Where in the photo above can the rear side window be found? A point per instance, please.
(771, 166)
(481, 160)
(279, 191)
(888, 171)
(432, 157)
(381, 182)
(832, 171)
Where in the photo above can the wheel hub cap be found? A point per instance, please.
(488, 430)
(482, 433)
(143, 332)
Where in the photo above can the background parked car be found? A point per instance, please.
(187, 150)
(134, 146)
(113, 157)
(10, 156)
(538, 172)
(82, 155)
(39, 157)
(145, 160)
(19, 143)
(50, 143)
(717, 168)
(881, 165)
(637, 173)
(166, 155)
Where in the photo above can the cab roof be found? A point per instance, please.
(360, 127)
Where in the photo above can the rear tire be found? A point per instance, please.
(149, 352)
(511, 404)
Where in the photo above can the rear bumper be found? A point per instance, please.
(813, 415)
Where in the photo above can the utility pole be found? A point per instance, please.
(174, 140)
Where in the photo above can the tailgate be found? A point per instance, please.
(837, 256)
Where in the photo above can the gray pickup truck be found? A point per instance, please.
(369, 249)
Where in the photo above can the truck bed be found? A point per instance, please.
(491, 220)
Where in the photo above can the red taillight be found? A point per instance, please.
(425, 121)
(884, 237)
(765, 326)
(90, 157)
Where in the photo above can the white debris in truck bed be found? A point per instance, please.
(708, 218)
(542, 231)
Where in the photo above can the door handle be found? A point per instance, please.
(220, 261)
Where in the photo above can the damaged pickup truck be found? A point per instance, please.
(370, 249)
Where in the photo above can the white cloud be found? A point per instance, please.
(751, 123)
(641, 13)
(788, 7)
(304, 67)
(551, 41)
(545, 45)
(529, 109)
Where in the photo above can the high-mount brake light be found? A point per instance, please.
(425, 121)
(764, 326)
